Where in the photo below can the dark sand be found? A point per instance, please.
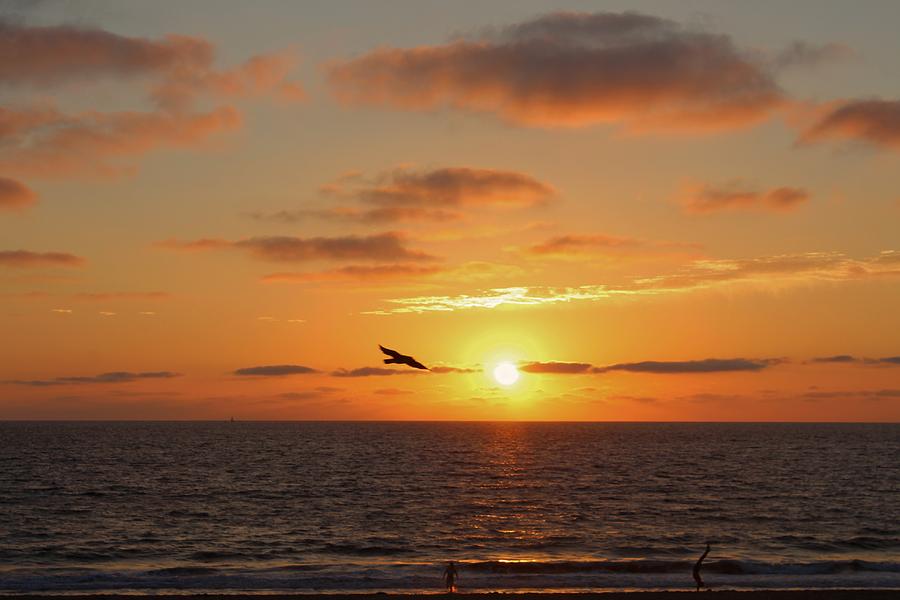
(682, 595)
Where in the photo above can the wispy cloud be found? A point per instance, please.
(700, 274)
(356, 273)
(276, 371)
(14, 195)
(739, 196)
(609, 245)
(29, 259)
(389, 246)
(873, 121)
(110, 377)
(373, 372)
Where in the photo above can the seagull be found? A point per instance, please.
(400, 359)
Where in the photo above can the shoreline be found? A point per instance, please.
(798, 594)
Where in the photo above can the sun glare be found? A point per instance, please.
(506, 373)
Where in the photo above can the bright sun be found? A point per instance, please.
(506, 373)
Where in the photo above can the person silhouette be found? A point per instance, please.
(450, 576)
(697, 566)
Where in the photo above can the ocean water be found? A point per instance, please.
(150, 507)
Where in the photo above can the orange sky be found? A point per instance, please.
(678, 211)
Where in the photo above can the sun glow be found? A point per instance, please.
(506, 373)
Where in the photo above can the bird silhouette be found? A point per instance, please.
(401, 359)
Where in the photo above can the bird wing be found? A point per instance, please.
(389, 352)
(416, 364)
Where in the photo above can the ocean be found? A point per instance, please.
(150, 507)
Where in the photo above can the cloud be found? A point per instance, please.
(356, 273)
(107, 296)
(709, 365)
(276, 371)
(840, 358)
(392, 392)
(736, 196)
(372, 372)
(565, 368)
(377, 247)
(573, 69)
(15, 195)
(442, 369)
(876, 122)
(180, 67)
(29, 259)
(97, 145)
(811, 267)
(110, 377)
(848, 359)
(447, 187)
(573, 244)
(804, 54)
(173, 72)
(385, 214)
(848, 394)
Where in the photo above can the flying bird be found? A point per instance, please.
(401, 359)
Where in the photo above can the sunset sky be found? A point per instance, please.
(655, 210)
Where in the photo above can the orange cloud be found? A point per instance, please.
(94, 144)
(608, 245)
(378, 247)
(382, 214)
(573, 69)
(15, 195)
(445, 187)
(356, 273)
(28, 259)
(876, 122)
(176, 70)
(182, 66)
(810, 267)
(736, 196)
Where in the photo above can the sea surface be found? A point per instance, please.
(264, 507)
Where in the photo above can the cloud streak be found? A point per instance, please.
(104, 378)
(275, 371)
(389, 246)
(736, 196)
(26, 259)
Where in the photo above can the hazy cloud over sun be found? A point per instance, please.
(708, 365)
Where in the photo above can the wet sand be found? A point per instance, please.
(866, 594)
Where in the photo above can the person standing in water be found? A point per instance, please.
(450, 576)
(697, 577)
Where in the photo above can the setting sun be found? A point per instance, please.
(506, 373)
